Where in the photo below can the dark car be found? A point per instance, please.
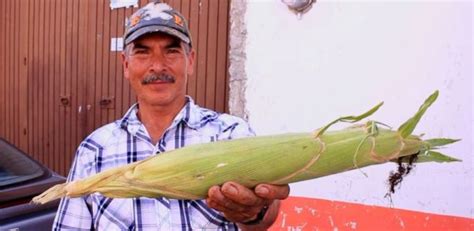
(22, 178)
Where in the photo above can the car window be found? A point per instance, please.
(15, 166)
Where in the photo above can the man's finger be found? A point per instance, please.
(241, 194)
(221, 202)
(279, 192)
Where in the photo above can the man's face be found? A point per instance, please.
(157, 67)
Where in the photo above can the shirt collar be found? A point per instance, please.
(191, 114)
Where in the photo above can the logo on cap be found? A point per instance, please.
(178, 20)
(135, 20)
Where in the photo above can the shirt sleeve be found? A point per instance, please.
(75, 213)
(241, 130)
(235, 128)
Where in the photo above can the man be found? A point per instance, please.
(157, 61)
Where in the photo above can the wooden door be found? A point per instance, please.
(59, 79)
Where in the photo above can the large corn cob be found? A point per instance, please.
(189, 172)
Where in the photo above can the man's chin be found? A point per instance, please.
(164, 101)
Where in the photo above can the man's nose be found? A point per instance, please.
(158, 63)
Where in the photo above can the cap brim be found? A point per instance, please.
(156, 28)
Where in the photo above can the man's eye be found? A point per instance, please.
(140, 51)
(174, 51)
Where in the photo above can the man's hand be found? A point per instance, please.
(240, 204)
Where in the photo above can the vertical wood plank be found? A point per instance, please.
(185, 5)
(39, 105)
(2, 69)
(100, 58)
(31, 41)
(210, 87)
(23, 80)
(120, 107)
(51, 84)
(176, 4)
(62, 83)
(13, 85)
(105, 61)
(3, 75)
(74, 84)
(6, 30)
(16, 85)
(91, 66)
(67, 80)
(43, 79)
(34, 81)
(112, 80)
(31, 20)
(5, 67)
(44, 84)
(13, 73)
(36, 78)
(10, 69)
(56, 86)
(82, 36)
(47, 129)
(222, 51)
(202, 52)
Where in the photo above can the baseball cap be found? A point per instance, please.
(156, 17)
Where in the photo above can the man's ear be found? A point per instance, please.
(125, 64)
(190, 60)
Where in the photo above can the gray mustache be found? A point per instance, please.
(155, 77)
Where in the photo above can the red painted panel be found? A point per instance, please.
(298, 213)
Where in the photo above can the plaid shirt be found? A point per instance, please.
(125, 141)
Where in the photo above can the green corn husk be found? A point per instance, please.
(189, 172)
